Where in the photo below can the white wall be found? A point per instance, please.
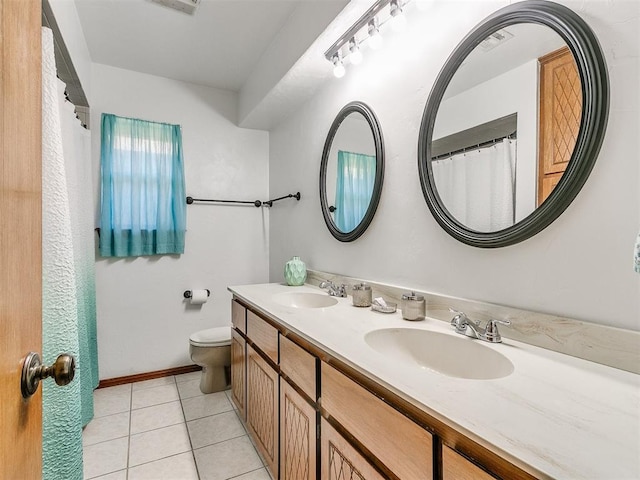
(580, 266)
(143, 321)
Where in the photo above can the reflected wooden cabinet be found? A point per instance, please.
(262, 408)
(297, 436)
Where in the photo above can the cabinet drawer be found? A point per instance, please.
(456, 467)
(239, 316)
(340, 460)
(400, 444)
(263, 335)
(299, 365)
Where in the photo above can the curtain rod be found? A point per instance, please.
(488, 143)
(256, 203)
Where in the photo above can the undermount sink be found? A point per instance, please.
(449, 355)
(305, 300)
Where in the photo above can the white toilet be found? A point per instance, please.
(211, 349)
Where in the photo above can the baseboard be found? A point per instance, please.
(139, 377)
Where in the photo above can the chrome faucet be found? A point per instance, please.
(333, 289)
(465, 326)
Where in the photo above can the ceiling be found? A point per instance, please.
(218, 46)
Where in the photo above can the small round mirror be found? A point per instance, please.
(351, 172)
(514, 124)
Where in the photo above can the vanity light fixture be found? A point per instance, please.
(366, 30)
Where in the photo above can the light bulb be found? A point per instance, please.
(355, 55)
(398, 21)
(375, 39)
(338, 66)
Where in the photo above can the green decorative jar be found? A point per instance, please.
(295, 272)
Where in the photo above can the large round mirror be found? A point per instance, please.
(351, 172)
(514, 124)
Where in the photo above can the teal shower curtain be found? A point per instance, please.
(356, 177)
(143, 208)
(68, 275)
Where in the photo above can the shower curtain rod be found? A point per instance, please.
(256, 203)
(488, 143)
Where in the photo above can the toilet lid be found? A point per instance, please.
(211, 337)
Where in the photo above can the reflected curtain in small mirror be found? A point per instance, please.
(354, 188)
(143, 209)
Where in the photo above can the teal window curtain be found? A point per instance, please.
(354, 188)
(143, 209)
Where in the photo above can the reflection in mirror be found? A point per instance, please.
(351, 172)
(507, 123)
(547, 125)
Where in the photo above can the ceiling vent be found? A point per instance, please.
(495, 39)
(186, 6)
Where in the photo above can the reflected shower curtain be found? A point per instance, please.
(68, 293)
(356, 177)
(478, 186)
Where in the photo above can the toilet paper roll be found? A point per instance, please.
(198, 297)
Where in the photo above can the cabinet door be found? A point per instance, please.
(297, 436)
(339, 460)
(456, 467)
(238, 373)
(262, 408)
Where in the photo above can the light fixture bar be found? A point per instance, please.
(356, 27)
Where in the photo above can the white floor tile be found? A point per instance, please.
(214, 429)
(156, 444)
(106, 428)
(158, 416)
(178, 467)
(230, 397)
(206, 405)
(189, 389)
(154, 396)
(188, 377)
(261, 474)
(154, 382)
(107, 401)
(121, 475)
(227, 459)
(105, 457)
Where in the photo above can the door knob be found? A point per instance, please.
(63, 370)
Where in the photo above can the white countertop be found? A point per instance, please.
(555, 416)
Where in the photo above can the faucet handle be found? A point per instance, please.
(459, 320)
(491, 331)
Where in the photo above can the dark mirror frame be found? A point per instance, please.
(367, 113)
(595, 110)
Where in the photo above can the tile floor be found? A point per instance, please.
(166, 429)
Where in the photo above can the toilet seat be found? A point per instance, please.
(211, 337)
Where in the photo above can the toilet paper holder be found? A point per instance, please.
(187, 293)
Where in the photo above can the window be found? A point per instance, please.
(143, 207)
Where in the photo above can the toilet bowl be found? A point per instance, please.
(211, 349)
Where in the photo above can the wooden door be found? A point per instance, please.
(456, 467)
(560, 116)
(20, 233)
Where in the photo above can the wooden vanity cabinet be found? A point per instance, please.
(262, 408)
(339, 460)
(298, 433)
(456, 467)
(238, 373)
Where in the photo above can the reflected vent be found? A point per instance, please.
(186, 6)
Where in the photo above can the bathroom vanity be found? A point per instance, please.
(331, 391)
